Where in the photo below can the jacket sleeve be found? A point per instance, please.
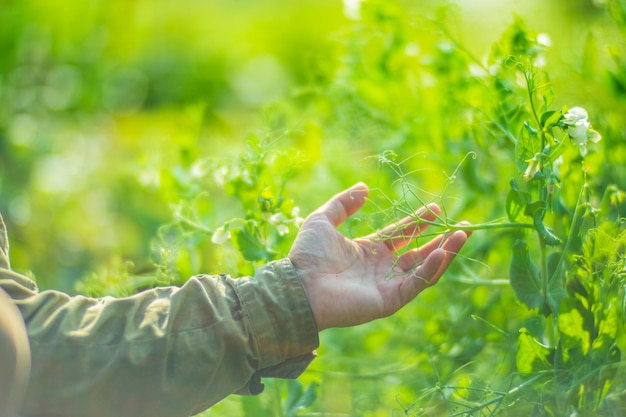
(168, 352)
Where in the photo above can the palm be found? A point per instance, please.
(354, 281)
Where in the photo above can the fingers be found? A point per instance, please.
(433, 262)
(414, 257)
(396, 236)
(417, 256)
(345, 204)
(452, 246)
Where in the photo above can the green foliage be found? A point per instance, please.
(299, 398)
(287, 402)
(151, 141)
(584, 363)
(526, 281)
(532, 356)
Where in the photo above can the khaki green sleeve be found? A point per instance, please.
(167, 352)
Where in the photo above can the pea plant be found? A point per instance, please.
(567, 264)
(568, 352)
(567, 267)
(573, 284)
(266, 218)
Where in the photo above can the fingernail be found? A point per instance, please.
(465, 223)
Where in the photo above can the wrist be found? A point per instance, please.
(313, 296)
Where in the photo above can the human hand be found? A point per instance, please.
(351, 282)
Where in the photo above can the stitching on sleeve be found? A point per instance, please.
(4, 246)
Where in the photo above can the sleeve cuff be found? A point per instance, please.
(281, 322)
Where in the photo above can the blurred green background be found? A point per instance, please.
(131, 130)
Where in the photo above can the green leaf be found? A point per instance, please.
(516, 42)
(548, 98)
(532, 356)
(250, 246)
(575, 329)
(556, 288)
(527, 146)
(553, 262)
(535, 324)
(609, 323)
(546, 117)
(551, 118)
(516, 201)
(525, 277)
(603, 348)
(297, 398)
(576, 287)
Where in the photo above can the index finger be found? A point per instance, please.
(344, 204)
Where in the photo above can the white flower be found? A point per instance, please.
(282, 229)
(219, 175)
(579, 128)
(593, 136)
(277, 218)
(198, 169)
(574, 115)
(297, 220)
(543, 39)
(220, 236)
(352, 9)
(532, 169)
(577, 123)
(540, 61)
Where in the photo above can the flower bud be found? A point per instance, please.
(532, 169)
(220, 236)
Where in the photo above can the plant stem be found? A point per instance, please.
(544, 267)
(513, 391)
(530, 87)
(194, 224)
(575, 225)
(448, 228)
(481, 226)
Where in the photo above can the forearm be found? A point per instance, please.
(168, 351)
